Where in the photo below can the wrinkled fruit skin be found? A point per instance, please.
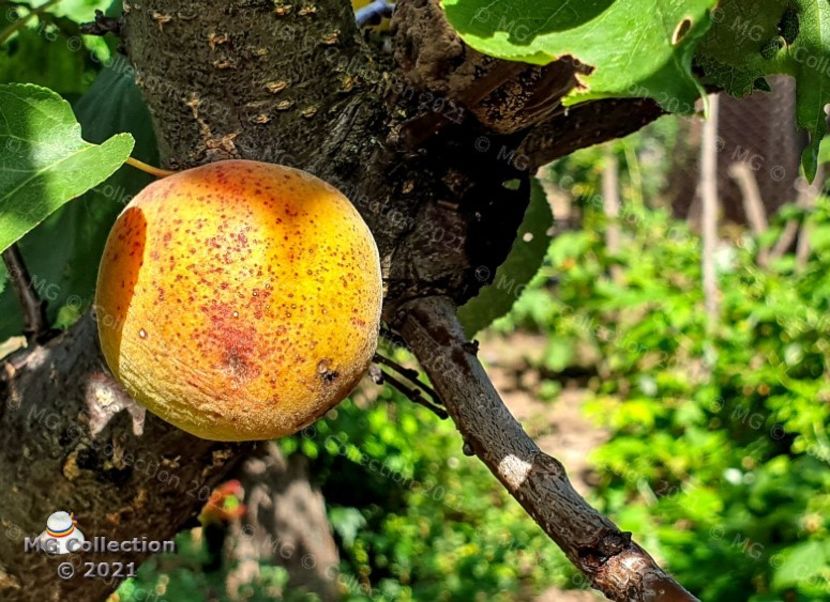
(239, 300)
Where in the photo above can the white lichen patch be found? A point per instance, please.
(514, 471)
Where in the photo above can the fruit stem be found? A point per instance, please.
(153, 171)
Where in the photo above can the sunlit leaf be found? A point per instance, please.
(44, 162)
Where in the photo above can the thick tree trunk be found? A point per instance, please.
(296, 85)
(284, 524)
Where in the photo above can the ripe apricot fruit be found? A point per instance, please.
(239, 300)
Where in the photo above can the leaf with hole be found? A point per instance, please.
(752, 39)
(633, 48)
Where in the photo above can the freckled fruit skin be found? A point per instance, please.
(239, 300)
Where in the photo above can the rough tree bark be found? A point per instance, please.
(422, 143)
(70, 444)
(613, 563)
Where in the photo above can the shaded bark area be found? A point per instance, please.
(295, 84)
(73, 443)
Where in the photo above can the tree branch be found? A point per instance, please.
(284, 524)
(756, 215)
(505, 97)
(608, 557)
(585, 125)
(709, 195)
(36, 325)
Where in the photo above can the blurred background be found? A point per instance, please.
(703, 431)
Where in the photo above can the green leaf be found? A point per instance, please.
(559, 353)
(44, 162)
(752, 39)
(809, 61)
(732, 54)
(63, 252)
(81, 10)
(46, 61)
(518, 269)
(347, 522)
(800, 563)
(635, 48)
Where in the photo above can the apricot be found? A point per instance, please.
(239, 300)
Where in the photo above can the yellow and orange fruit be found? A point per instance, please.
(239, 300)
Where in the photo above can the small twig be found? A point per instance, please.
(393, 337)
(411, 393)
(411, 375)
(742, 173)
(102, 25)
(756, 215)
(709, 197)
(21, 22)
(635, 173)
(611, 208)
(802, 249)
(808, 198)
(807, 192)
(34, 308)
(373, 13)
(786, 240)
